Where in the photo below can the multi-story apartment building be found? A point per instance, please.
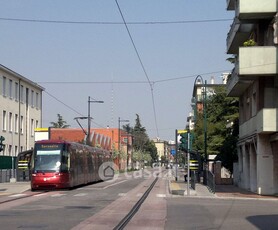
(252, 40)
(201, 90)
(162, 149)
(20, 111)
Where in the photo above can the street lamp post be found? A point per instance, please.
(204, 99)
(89, 118)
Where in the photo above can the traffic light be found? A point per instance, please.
(183, 142)
(1, 143)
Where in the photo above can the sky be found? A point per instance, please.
(80, 49)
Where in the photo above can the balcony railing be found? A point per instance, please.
(235, 84)
(250, 9)
(238, 34)
(258, 60)
(230, 4)
(267, 120)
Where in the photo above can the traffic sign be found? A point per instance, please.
(173, 151)
(182, 131)
(194, 165)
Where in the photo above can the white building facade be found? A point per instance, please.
(252, 40)
(20, 111)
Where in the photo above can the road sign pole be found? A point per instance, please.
(188, 165)
(176, 166)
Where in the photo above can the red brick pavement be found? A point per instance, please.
(234, 191)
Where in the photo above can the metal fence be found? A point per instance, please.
(210, 177)
(15, 167)
(6, 175)
(193, 179)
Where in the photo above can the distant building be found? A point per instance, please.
(20, 111)
(200, 91)
(252, 40)
(162, 149)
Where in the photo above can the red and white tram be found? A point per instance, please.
(61, 164)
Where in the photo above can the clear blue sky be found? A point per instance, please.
(101, 60)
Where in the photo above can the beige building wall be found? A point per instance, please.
(20, 111)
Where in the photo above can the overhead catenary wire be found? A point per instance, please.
(142, 65)
(133, 82)
(112, 23)
(69, 107)
(152, 82)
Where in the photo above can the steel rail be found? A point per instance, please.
(135, 208)
(21, 197)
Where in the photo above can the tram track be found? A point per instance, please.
(124, 222)
(21, 197)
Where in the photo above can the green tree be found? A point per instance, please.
(140, 137)
(228, 151)
(221, 111)
(61, 123)
(140, 141)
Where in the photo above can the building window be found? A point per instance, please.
(21, 124)
(16, 123)
(27, 96)
(4, 121)
(10, 122)
(10, 150)
(32, 98)
(4, 86)
(21, 93)
(37, 124)
(10, 88)
(16, 91)
(32, 128)
(37, 100)
(15, 150)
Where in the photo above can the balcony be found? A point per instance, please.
(258, 61)
(236, 85)
(267, 120)
(238, 34)
(250, 9)
(231, 4)
(253, 62)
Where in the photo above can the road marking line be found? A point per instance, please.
(122, 194)
(58, 195)
(42, 194)
(18, 195)
(114, 184)
(81, 194)
(161, 195)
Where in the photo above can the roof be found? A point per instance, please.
(5, 69)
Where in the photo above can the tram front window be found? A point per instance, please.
(48, 161)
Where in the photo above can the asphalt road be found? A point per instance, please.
(62, 209)
(103, 204)
(203, 213)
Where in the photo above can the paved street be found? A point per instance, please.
(219, 213)
(103, 205)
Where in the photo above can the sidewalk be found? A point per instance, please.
(222, 191)
(13, 188)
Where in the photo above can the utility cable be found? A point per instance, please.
(113, 23)
(69, 107)
(142, 65)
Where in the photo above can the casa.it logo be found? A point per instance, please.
(107, 171)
